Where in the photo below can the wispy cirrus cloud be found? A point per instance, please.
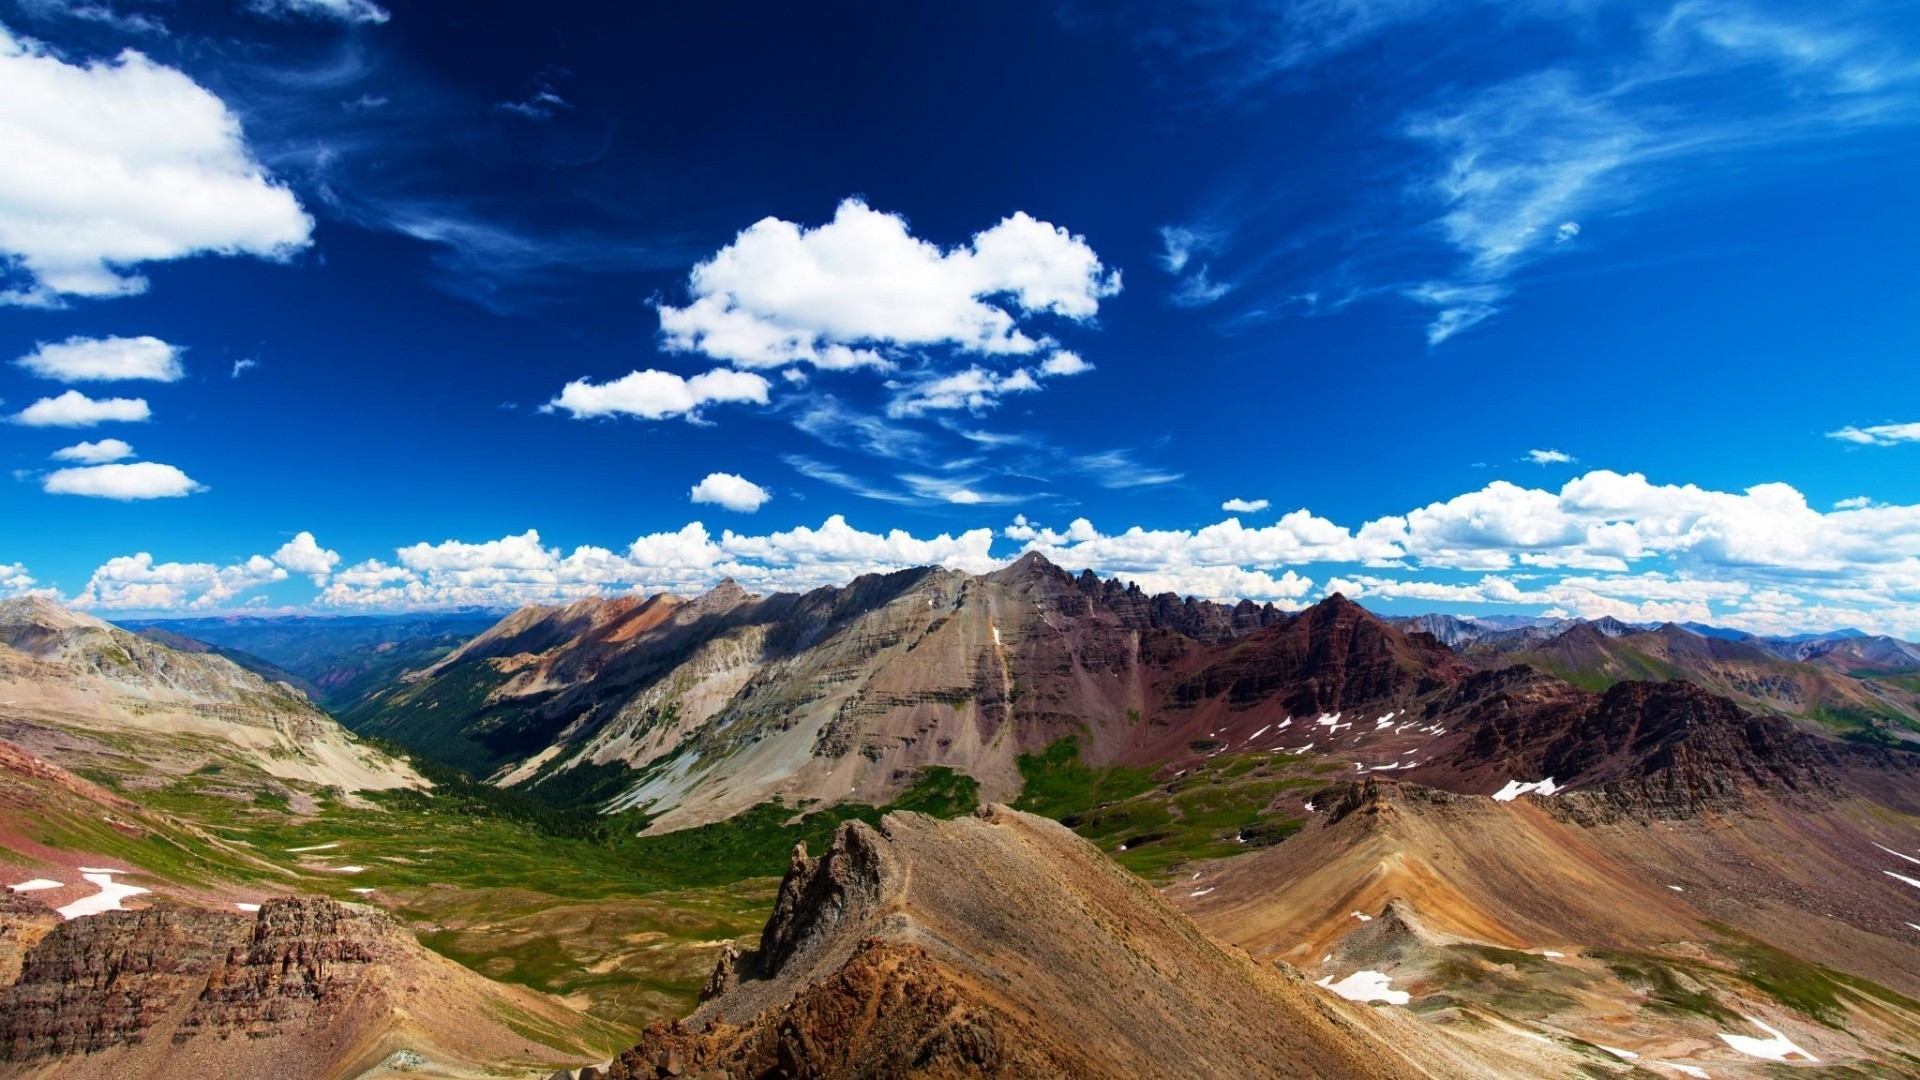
(1519, 157)
(1877, 434)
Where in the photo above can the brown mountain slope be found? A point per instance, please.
(1650, 936)
(1002, 945)
(82, 693)
(306, 987)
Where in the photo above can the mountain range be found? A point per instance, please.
(1063, 828)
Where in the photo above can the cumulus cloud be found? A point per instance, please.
(1602, 543)
(521, 569)
(731, 491)
(138, 583)
(1549, 457)
(1244, 506)
(94, 453)
(14, 580)
(304, 555)
(1064, 363)
(834, 294)
(657, 395)
(83, 359)
(127, 481)
(341, 11)
(1878, 435)
(75, 409)
(115, 163)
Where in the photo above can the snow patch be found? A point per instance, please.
(316, 847)
(1363, 916)
(346, 869)
(1902, 877)
(1902, 854)
(1623, 1055)
(1689, 1070)
(362, 892)
(1366, 986)
(996, 634)
(1549, 953)
(1776, 1048)
(107, 899)
(1202, 892)
(248, 907)
(35, 885)
(1515, 789)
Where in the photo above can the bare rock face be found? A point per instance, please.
(124, 977)
(1333, 656)
(305, 961)
(112, 979)
(24, 920)
(1646, 750)
(817, 895)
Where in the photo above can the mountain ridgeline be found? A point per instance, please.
(694, 710)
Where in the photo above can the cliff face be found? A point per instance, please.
(179, 973)
(304, 987)
(24, 920)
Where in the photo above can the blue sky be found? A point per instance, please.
(1572, 307)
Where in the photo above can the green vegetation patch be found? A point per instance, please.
(1222, 807)
(1817, 992)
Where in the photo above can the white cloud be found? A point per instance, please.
(1878, 435)
(975, 389)
(14, 580)
(344, 11)
(81, 359)
(75, 409)
(731, 491)
(113, 164)
(1602, 543)
(520, 569)
(1549, 457)
(1065, 363)
(1520, 162)
(834, 294)
(304, 555)
(94, 453)
(656, 395)
(1244, 506)
(136, 582)
(958, 491)
(242, 366)
(95, 13)
(127, 481)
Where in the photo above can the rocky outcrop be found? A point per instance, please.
(125, 976)
(306, 986)
(112, 979)
(24, 920)
(1003, 946)
(305, 962)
